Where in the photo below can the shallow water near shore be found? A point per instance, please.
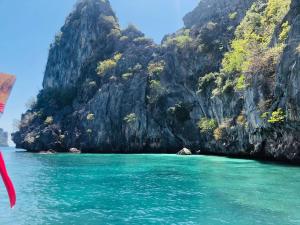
(148, 189)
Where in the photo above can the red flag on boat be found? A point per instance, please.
(6, 84)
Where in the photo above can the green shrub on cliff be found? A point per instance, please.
(233, 15)
(277, 116)
(90, 116)
(254, 34)
(236, 60)
(284, 32)
(108, 65)
(181, 40)
(156, 85)
(156, 68)
(240, 83)
(207, 125)
(275, 11)
(206, 81)
(265, 115)
(130, 118)
(48, 120)
(228, 87)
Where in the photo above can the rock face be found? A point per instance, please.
(208, 11)
(3, 138)
(112, 90)
(85, 34)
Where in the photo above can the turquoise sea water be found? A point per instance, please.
(149, 189)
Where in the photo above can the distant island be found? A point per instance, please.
(227, 83)
(3, 138)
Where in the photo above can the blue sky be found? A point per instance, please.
(28, 27)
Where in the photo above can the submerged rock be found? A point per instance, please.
(48, 152)
(74, 150)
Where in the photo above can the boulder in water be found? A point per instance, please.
(74, 150)
(48, 152)
(184, 151)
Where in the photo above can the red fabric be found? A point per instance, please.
(1, 107)
(7, 181)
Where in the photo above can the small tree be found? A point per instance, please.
(277, 116)
(232, 15)
(48, 120)
(130, 118)
(90, 117)
(180, 40)
(285, 29)
(156, 68)
(240, 83)
(108, 65)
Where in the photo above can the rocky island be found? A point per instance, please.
(227, 83)
(3, 138)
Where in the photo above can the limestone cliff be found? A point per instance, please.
(112, 90)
